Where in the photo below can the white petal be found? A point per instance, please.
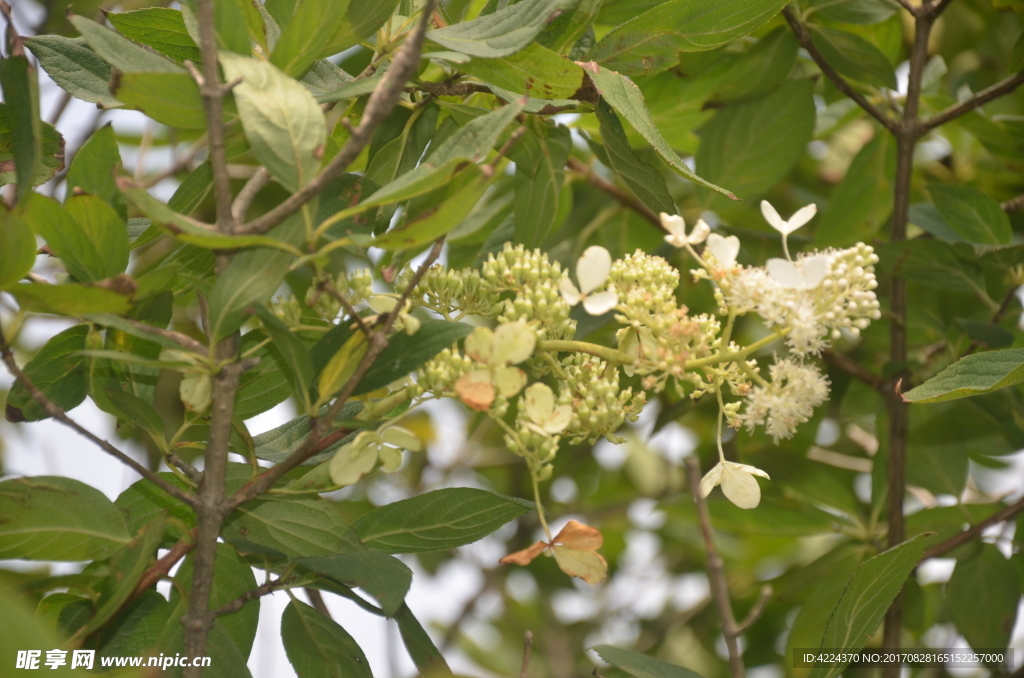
(710, 479)
(593, 268)
(559, 419)
(539, 402)
(569, 292)
(382, 304)
(786, 273)
(746, 468)
(400, 437)
(724, 249)
(676, 240)
(814, 270)
(390, 459)
(602, 302)
(700, 233)
(347, 470)
(513, 343)
(674, 224)
(773, 218)
(480, 345)
(740, 488)
(802, 216)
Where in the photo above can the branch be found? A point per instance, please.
(379, 106)
(317, 600)
(803, 36)
(716, 572)
(58, 413)
(162, 567)
(258, 592)
(611, 189)
(973, 531)
(319, 439)
(527, 647)
(756, 611)
(259, 179)
(1001, 88)
(854, 369)
(1013, 204)
(182, 340)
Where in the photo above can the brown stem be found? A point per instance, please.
(60, 415)
(716, 572)
(611, 189)
(258, 592)
(973, 531)
(854, 369)
(163, 566)
(180, 339)
(1001, 88)
(379, 106)
(803, 36)
(527, 648)
(317, 601)
(1013, 204)
(756, 611)
(259, 179)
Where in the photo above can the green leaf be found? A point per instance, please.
(983, 594)
(974, 216)
(68, 299)
(317, 646)
(438, 520)
(822, 582)
(278, 444)
(282, 121)
(171, 99)
(406, 354)
(295, 354)
(863, 200)
(854, 57)
(428, 659)
(972, 375)
(127, 565)
(64, 613)
(308, 31)
(76, 68)
(433, 223)
(535, 70)
(52, 149)
(652, 41)
(135, 410)
(298, 527)
(470, 143)
(54, 518)
(356, 88)
(66, 238)
(854, 11)
(540, 175)
(384, 577)
(17, 248)
(751, 145)
(360, 22)
(161, 28)
(641, 666)
(142, 501)
(104, 229)
(93, 168)
(993, 336)
(266, 385)
(644, 180)
(135, 629)
(57, 369)
(251, 277)
(503, 32)
(120, 52)
(754, 73)
(21, 109)
(869, 594)
(19, 630)
(626, 98)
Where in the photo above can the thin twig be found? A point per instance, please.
(328, 286)
(803, 36)
(180, 339)
(1013, 204)
(1001, 88)
(527, 648)
(379, 106)
(716, 572)
(59, 109)
(186, 468)
(997, 317)
(611, 189)
(181, 164)
(317, 600)
(756, 611)
(854, 369)
(258, 592)
(163, 566)
(973, 531)
(60, 415)
(259, 179)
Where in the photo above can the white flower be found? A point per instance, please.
(544, 417)
(724, 249)
(799, 218)
(592, 271)
(510, 344)
(676, 227)
(804, 274)
(788, 401)
(737, 481)
(357, 458)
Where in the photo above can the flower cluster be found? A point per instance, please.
(355, 286)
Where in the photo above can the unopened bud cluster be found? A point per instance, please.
(355, 286)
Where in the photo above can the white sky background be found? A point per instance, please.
(640, 590)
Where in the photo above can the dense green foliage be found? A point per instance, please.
(334, 146)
